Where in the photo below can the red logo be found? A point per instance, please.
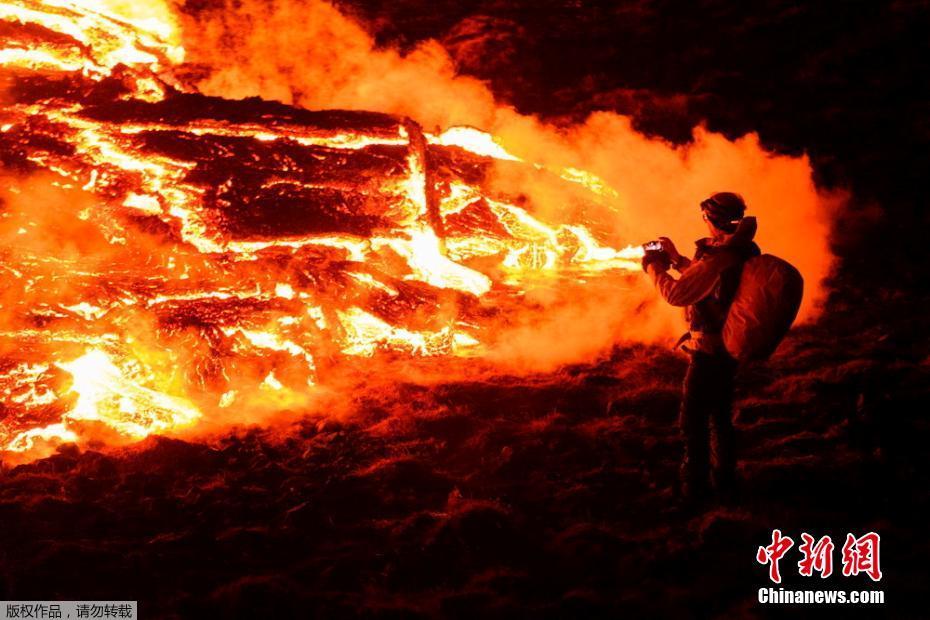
(773, 553)
(860, 555)
(817, 557)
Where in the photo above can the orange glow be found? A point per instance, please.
(474, 141)
(175, 259)
(106, 394)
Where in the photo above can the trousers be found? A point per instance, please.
(706, 423)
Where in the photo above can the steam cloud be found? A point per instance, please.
(307, 53)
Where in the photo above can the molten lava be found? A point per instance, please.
(170, 254)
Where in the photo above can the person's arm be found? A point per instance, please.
(696, 282)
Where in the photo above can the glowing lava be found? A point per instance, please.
(106, 394)
(172, 254)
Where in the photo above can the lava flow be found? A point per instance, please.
(168, 254)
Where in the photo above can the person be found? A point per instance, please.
(706, 287)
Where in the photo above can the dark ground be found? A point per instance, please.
(550, 496)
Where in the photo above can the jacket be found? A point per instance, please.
(708, 283)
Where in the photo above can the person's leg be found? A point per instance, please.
(693, 424)
(723, 441)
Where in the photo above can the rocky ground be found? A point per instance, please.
(542, 496)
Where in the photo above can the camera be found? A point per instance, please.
(655, 254)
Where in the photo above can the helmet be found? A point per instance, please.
(724, 210)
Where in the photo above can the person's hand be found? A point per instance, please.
(657, 259)
(669, 248)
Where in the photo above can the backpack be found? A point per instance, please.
(765, 305)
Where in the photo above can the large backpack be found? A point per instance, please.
(765, 305)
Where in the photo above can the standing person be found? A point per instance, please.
(706, 287)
